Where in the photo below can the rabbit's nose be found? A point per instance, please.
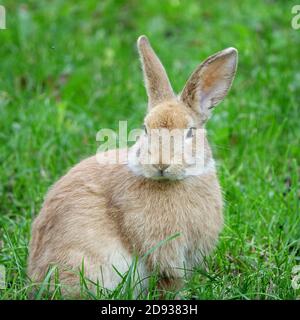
(161, 168)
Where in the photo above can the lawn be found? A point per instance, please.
(68, 70)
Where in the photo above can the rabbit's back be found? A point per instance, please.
(74, 227)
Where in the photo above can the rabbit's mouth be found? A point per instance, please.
(165, 175)
(166, 178)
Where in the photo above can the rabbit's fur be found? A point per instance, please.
(104, 215)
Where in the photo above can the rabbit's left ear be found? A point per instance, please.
(157, 82)
(210, 82)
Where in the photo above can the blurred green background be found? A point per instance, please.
(69, 69)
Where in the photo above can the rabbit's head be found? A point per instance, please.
(173, 145)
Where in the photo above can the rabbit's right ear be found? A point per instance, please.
(210, 82)
(156, 80)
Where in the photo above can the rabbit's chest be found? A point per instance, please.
(177, 228)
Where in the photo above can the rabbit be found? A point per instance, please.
(105, 215)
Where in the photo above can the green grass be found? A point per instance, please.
(68, 70)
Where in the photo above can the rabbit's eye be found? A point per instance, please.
(145, 128)
(190, 132)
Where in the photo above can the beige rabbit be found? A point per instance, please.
(106, 214)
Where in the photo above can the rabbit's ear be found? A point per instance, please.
(210, 82)
(157, 83)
